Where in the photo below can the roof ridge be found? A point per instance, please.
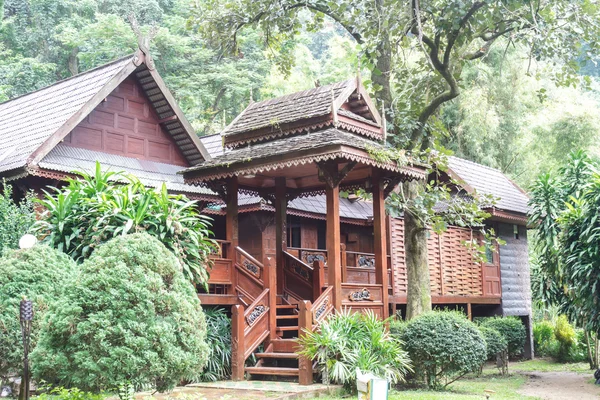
(304, 92)
(69, 78)
(480, 165)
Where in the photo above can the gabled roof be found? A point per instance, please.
(33, 124)
(491, 181)
(346, 104)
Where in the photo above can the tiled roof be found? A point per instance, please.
(490, 181)
(348, 209)
(68, 159)
(213, 144)
(28, 121)
(307, 141)
(285, 109)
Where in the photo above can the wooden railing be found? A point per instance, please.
(301, 280)
(252, 325)
(362, 297)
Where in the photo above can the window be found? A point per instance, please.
(489, 254)
(322, 235)
(516, 231)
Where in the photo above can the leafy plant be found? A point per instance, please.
(61, 393)
(15, 218)
(38, 274)
(129, 316)
(218, 338)
(443, 346)
(348, 341)
(93, 209)
(565, 336)
(494, 341)
(513, 331)
(543, 336)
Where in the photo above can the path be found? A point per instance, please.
(560, 386)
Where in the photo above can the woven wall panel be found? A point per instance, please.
(452, 269)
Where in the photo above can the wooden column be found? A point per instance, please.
(344, 262)
(333, 244)
(318, 278)
(231, 226)
(280, 230)
(380, 238)
(305, 376)
(269, 279)
(237, 343)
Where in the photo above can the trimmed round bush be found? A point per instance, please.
(494, 341)
(129, 318)
(38, 274)
(443, 346)
(513, 331)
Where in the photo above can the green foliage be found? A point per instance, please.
(61, 393)
(15, 219)
(129, 316)
(494, 341)
(543, 336)
(347, 341)
(218, 338)
(565, 336)
(443, 346)
(92, 209)
(512, 329)
(38, 274)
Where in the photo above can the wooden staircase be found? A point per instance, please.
(279, 358)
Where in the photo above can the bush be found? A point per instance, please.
(218, 337)
(130, 316)
(443, 346)
(38, 274)
(61, 393)
(347, 341)
(94, 209)
(15, 219)
(513, 331)
(494, 341)
(543, 336)
(565, 336)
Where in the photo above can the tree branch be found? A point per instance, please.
(454, 34)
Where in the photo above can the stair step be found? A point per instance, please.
(294, 316)
(282, 306)
(276, 355)
(284, 345)
(287, 328)
(273, 371)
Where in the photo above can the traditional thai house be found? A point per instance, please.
(292, 250)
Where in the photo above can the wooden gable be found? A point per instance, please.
(125, 124)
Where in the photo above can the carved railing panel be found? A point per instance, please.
(361, 297)
(323, 306)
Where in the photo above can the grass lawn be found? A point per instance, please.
(505, 387)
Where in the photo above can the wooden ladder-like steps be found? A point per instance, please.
(294, 316)
(287, 328)
(277, 355)
(278, 371)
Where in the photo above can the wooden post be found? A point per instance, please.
(231, 226)
(318, 278)
(305, 376)
(270, 280)
(344, 262)
(332, 195)
(380, 238)
(469, 312)
(280, 231)
(238, 347)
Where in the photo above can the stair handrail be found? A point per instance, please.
(322, 307)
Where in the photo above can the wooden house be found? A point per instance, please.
(292, 250)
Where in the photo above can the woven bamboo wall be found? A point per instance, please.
(452, 270)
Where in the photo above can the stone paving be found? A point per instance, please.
(244, 390)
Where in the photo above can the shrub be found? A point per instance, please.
(94, 209)
(494, 341)
(130, 316)
(443, 346)
(218, 337)
(347, 341)
(39, 274)
(60, 393)
(15, 219)
(565, 336)
(513, 331)
(543, 336)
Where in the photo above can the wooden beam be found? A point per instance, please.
(333, 239)
(237, 343)
(280, 230)
(305, 324)
(380, 238)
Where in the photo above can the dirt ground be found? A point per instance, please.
(560, 386)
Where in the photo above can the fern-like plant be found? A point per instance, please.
(349, 341)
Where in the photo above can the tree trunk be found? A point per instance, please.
(588, 342)
(73, 61)
(415, 244)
